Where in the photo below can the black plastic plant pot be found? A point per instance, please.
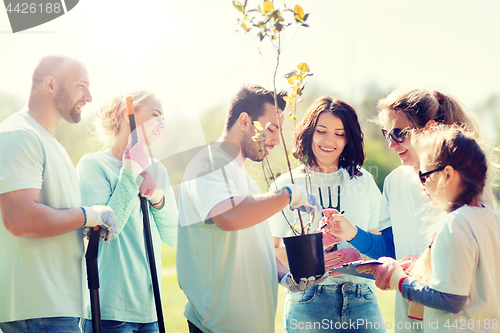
(305, 255)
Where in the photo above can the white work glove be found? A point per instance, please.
(101, 216)
(301, 200)
(149, 191)
(289, 283)
(135, 158)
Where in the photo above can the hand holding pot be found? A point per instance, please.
(289, 282)
(338, 225)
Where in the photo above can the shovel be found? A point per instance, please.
(147, 229)
(93, 278)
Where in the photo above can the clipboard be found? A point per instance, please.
(350, 268)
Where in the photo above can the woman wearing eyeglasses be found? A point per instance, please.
(457, 276)
(404, 211)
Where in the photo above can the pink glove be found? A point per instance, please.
(149, 191)
(339, 258)
(387, 276)
(135, 158)
(407, 262)
(329, 241)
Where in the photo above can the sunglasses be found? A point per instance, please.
(397, 134)
(423, 176)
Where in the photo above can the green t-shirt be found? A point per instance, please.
(39, 277)
(126, 292)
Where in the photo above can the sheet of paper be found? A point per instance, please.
(350, 268)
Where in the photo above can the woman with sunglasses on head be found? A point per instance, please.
(115, 177)
(404, 209)
(456, 278)
(329, 142)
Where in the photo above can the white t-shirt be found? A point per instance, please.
(41, 277)
(406, 209)
(358, 197)
(464, 261)
(229, 277)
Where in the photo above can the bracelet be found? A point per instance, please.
(84, 213)
(282, 277)
(401, 282)
(289, 193)
(159, 202)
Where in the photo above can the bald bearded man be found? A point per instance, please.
(42, 272)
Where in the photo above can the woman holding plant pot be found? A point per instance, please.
(115, 177)
(329, 142)
(405, 210)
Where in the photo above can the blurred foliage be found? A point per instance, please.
(8, 105)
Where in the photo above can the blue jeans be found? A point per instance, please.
(43, 325)
(333, 308)
(113, 326)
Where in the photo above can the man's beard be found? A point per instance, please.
(63, 104)
(252, 149)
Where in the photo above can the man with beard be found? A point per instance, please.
(226, 264)
(41, 242)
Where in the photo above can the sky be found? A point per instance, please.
(190, 54)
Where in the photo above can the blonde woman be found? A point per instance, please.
(115, 177)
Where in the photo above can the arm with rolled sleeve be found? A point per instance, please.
(96, 190)
(166, 219)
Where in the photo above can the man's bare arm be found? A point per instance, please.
(24, 216)
(243, 212)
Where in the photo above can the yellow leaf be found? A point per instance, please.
(239, 6)
(299, 13)
(303, 67)
(268, 6)
(256, 137)
(258, 125)
(243, 25)
(291, 79)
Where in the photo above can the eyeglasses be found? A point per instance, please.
(423, 176)
(397, 134)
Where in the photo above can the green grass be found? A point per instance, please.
(173, 300)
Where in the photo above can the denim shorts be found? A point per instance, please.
(113, 326)
(333, 308)
(43, 325)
